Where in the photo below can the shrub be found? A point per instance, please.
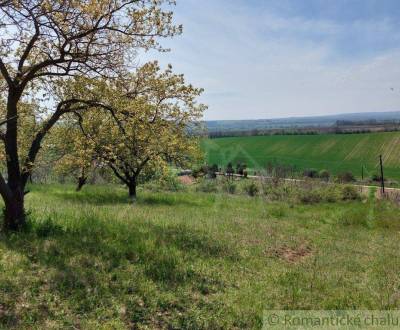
(377, 178)
(331, 194)
(324, 175)
(350, 193)
(310, 173)
(207, 186)
(280, 192)
(229, 169)
(170, 182)
(153, 186)
(310, 197)
(251, 189)
(346, 177)
(199, 172)
(240, 168)
(229, 187)
(212, 171)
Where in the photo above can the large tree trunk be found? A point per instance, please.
(81, 182)
(14, 213)
(132, 189)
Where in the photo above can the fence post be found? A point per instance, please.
(382, 178)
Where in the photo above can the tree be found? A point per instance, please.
(240, 168)
(148, 126)
(229, 170)
(74, 156)
(43, 41)
(212, 171)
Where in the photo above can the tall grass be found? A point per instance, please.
(190, 260)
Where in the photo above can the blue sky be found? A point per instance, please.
(279, 58)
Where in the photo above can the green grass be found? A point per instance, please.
(333, 152)
(190, 260)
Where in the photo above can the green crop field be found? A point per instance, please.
(333, 152)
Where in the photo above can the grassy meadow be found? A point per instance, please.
(192, 260)
(333, 152)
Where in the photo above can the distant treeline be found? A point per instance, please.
(369, 122)
(340, 127)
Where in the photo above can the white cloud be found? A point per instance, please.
(255, 64)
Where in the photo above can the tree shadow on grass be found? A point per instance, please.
(166, 199)
(96, 258)
(95, 198)
(105, 198)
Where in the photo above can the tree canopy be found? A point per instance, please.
(45, 42)
(145, 124)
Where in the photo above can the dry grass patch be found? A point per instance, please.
(291, 254)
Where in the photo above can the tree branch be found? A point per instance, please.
(117, 174)
(31, 43)
(5, 73)
(62, 108)
(5, 121)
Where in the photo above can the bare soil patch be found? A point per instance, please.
(291, 254)
(186, 179)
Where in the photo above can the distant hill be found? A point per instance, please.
(291, 122)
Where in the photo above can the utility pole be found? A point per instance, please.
(382, 178)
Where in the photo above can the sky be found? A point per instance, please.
(260, 59)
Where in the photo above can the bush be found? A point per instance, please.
(350, 193)
(280, 192)
(310, 173)
(212, 171)
(229, 169)
(229, 187)
(251, 189)
(377, 178)
(346, 177)
(310, 197)
(331, 194)
(199, 172)
(240, 168)
(170, 182)
(324, 175)
(207, 186)
(153, 186)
